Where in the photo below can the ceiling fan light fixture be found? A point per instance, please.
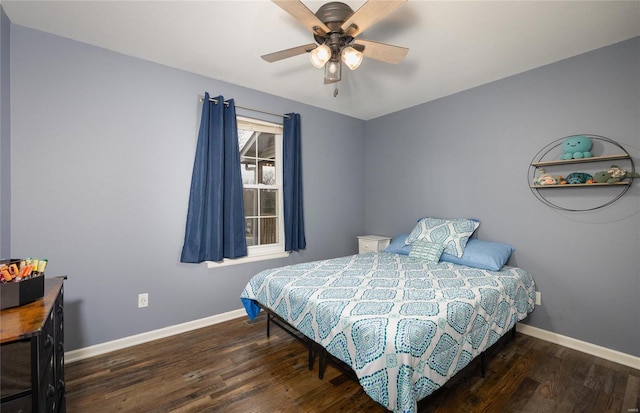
(333, 71)
(320, 56)
(351, 57)
(335, 27)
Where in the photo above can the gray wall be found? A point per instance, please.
(102, 148)
(102, 152)
(467, 155)
(5, 137)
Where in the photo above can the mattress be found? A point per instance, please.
(404, 326)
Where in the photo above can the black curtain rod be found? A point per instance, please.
(246, 108)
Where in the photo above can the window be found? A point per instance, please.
(260, 145)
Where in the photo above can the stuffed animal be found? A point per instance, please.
(576, 147)
(602, 177)
(545, 179)
(579, 178)
(618, 174)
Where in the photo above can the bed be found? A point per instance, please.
(403, 325)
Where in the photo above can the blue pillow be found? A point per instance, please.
(486, 255)
(396, 246)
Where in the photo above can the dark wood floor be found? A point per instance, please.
(233, 367)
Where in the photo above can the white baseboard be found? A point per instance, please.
(583, 346)
(83, 353)
(572, 343)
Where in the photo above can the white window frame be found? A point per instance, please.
(270, 251)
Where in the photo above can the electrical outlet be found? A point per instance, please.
(143, 300)
(538, 298)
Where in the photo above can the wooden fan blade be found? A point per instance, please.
(381, 51)
(283, 54)
(369, 14)
(305, 16)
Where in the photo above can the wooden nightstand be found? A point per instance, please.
(370, 243)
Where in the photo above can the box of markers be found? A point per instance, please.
(20, 282)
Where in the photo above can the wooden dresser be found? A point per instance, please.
(32, 353)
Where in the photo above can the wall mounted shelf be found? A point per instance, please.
(565, 186)
(581, 160)
(547, 158)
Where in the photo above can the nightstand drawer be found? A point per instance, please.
(366, 245)
(371, 243)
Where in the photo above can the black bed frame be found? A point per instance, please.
(323, 355)
(280, 322)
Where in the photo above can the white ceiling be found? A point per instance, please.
(454, 45)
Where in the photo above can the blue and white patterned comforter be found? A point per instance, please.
(404, 326)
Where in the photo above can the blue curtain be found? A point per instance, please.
(215, 219)
(294, 239)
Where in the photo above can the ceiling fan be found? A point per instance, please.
(335, 27)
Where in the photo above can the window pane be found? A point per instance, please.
(267, 146)
(268, 202)
(247, 148)
(267, 173)
(243, 138)
(251, 231)
(250, 202)
(248, 170)
(268, 231)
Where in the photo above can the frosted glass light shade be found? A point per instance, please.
(351, 57)
(320, 55)
(333, 71)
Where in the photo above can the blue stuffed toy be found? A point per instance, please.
(579, 178)
(576, 147)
